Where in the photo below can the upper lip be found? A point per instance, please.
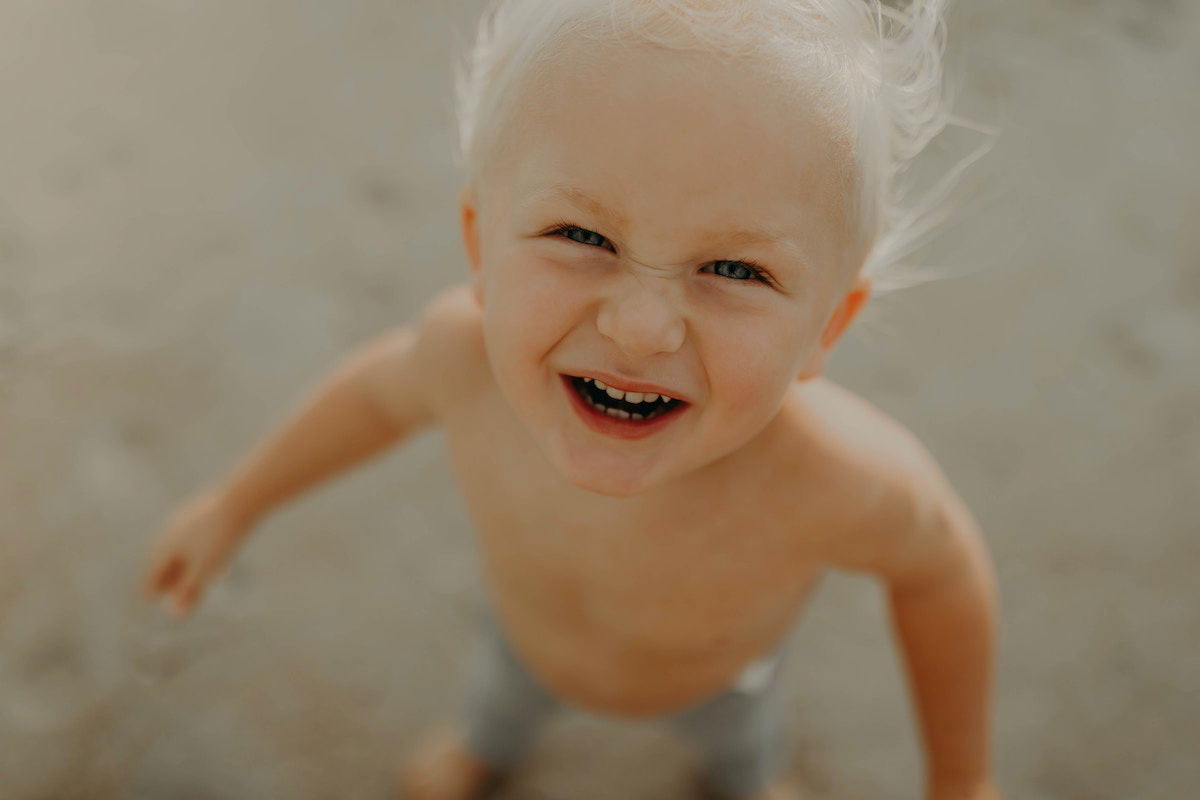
(628, 384)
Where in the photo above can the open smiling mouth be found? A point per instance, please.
(610, 409)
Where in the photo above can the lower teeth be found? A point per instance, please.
(621, 414)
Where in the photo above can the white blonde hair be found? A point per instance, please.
(880, 67)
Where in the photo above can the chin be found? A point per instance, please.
(619, 480)
(619, 489)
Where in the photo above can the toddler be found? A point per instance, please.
(673, 211)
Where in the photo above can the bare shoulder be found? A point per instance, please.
(416, 372)
(450, 339)
(892, 502)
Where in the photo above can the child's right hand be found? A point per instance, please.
(193, 548)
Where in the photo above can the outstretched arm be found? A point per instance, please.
(372, 399)
(942, 598)
(340, 422)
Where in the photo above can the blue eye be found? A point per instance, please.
(740, 271)
(585, 236)
(734, 270)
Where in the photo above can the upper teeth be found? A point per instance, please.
(629, 397)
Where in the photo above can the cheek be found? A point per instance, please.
(751, 368)
(530, 305)
(751, 382)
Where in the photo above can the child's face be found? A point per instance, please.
(656, 158)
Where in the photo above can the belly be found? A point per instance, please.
(624, 610)
(644, 655)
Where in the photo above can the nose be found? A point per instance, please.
(640, 316)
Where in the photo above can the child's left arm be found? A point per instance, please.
(942, 598)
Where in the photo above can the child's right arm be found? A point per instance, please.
(371, 400)
(375, 397)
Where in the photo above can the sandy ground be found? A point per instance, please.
(202, 205)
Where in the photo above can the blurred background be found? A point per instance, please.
(204, 205)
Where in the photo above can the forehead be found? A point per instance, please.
(691, 140)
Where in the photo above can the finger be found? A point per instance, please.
(176, 607)
(186, 596)
(150, 583)
(181, 603)
(165, 575)
(179, 589)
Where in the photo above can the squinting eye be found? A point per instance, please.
(738, 271)
(585, 236)
(734, 270)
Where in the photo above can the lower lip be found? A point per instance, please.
(618, 428)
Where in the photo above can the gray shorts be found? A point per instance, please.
(739, 733)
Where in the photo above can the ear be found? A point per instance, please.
(843, 315)
(469, 219)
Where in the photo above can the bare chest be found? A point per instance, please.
(627, 607)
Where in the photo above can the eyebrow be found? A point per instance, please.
(743, 237)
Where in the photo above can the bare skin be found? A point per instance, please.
(638, 608)
(638, 564)
(442, 768)
(635, 606)
(579, 579)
